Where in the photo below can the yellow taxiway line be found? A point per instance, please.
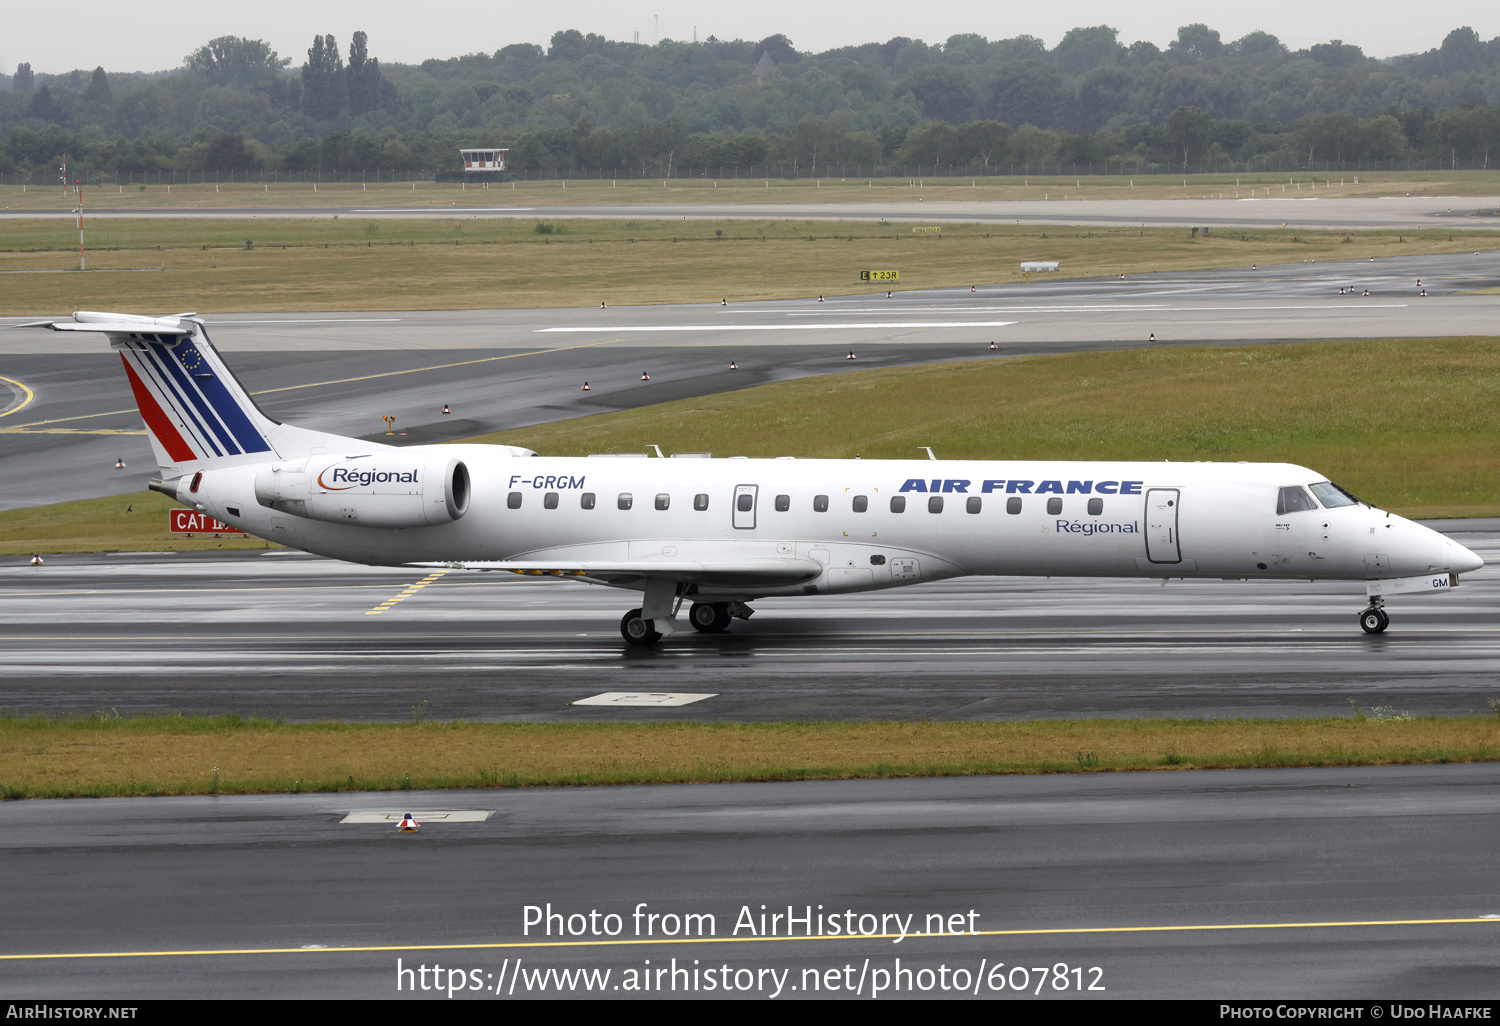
(647, 942)
(408, 593)
(39, 427)
(28, 396)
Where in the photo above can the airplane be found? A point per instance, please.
(721, 533)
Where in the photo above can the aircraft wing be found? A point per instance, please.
(762, 573)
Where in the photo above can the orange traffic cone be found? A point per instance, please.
(408, 825)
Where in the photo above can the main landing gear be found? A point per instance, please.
(706, 618)
(1374, 620)
(709, 617)
(637, 630)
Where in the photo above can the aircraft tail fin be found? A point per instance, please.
(196, 412)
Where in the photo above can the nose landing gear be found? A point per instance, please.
(1374, 620)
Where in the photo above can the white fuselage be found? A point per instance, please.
(722, 531)
(1040, 518)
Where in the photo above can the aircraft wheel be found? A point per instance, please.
(709, 617)
(638, 631)
(1373, 621)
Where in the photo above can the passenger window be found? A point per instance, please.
(549, 501)
(935, 504)
(1096, 506)
(1054, 506)
(898, 504)
(513, 500)
(861, 503)
(974, 504)
(1293, 500)
(1013, 505)
(783, 503)
(663, 500)
(626, 500)
(820, 504)
(586, 500)
(700, 502)
(744, 503)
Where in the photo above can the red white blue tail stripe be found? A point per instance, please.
(209, 412)
(191, 404)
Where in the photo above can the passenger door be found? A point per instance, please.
(745, 497)
(1161, 525)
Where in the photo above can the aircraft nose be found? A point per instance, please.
(1416, 549)
(1461, 560)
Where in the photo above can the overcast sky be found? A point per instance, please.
(155, 36)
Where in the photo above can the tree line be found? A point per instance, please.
(585, 103)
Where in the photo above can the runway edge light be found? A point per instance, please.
(408, 825)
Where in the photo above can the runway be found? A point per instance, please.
(279, 634)
(1291, 207)
(1374, 883)
(500, 369)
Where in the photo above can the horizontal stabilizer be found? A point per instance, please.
(120, 324)
(165, 326)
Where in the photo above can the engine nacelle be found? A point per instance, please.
(388, 489)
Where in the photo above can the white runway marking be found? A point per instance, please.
(440, 210)
(1093, 308)
(457, 816)
(1059, 308)
(792, 327)
(319, 320)
(1293, 308)
(643, 698)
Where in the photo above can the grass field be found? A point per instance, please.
(152, 265)
(272, 192)
(118, 523)
(108, 756)
(1409, 424)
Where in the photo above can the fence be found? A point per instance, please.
(375, 176)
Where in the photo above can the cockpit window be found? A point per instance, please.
(1293, 499)
(1331, 495)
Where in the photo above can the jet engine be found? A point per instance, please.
(398, 489)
